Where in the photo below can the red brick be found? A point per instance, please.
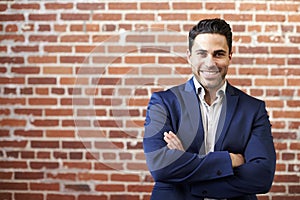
(23, 6)
(286, 114)
(270, 18)
(44, 186)
(42, 91)
(139, 59)
(13, 164)
(137, 166)
(109, 145)
(75, 38)
(187, 6)
(107, 17)
(78, 187)
(253, 71)
(139, 188)
(139, 16)
(76, 145)
(5, 101)
(289, 7)
(92, 176)
(13, 144)
(43, 38)
(86, 48)
(12, 122)
(56, 6)
(173, 16)
(62, 176)
(44, 28)
(122, 6)
(109, 166)
(90, 6)
(13, 186)
(77, 165)
(288, 156)
(6, 175)
(60, 197)
(43, 80)
(110, 188)
(286, 178)
(42, 17)
(45, 122)
(28, 133)
(124, 197)
(278, 189)
(11, 28)
(69, 16)
(59, 112)
(4, 112)
(197, 17)
(27, 154)
(42, 59)
(294, 189)
(72, 59)
(46, 165)
(58, 91)
(293, 82)
(253, 50)
(238, 17)
(57, 48)
(252, 6)
(3, 7)
(3, 49)
(220, 6)
(74, 101)
(44, 144)
(92, 197)
(12, 17)
(4, 133)
(155, 6)
(12, 60)
(29, 175)
(25, 70)
(14, 38)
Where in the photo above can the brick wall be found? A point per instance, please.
(76, 77)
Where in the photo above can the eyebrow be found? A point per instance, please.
(205, 51)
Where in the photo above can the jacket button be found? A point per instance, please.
(219, 173)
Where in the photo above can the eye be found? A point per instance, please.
(203, 54)
(220, 54)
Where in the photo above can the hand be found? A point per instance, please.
(236, 159)
(173, 141)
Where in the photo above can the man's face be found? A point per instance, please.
(210, 58)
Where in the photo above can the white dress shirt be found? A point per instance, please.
(210, 115)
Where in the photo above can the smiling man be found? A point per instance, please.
(206, 139)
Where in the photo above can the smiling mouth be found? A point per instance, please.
(209, 71)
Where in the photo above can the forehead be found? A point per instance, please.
(210, 41)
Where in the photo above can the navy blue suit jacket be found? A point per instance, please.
(243, 128)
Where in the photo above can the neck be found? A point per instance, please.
(210, 96)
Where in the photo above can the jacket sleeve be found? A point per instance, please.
(174, 166)
(253, 177)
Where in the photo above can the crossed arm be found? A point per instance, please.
(173, 142)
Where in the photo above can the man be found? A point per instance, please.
(206, 139)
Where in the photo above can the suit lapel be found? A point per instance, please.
(191, 121)
(231, 102)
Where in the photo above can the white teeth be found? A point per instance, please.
(210, 72)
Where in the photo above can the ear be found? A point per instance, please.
(188, 55)
(230, 55)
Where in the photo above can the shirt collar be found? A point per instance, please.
(200, 90)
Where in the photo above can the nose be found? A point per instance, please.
(210, 62)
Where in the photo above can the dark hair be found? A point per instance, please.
(216, 25)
